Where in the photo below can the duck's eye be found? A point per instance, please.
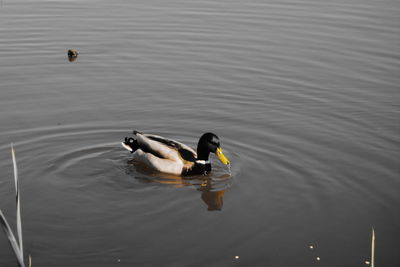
(212, 143)
(216, 144)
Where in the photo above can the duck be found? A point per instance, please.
(169, 156)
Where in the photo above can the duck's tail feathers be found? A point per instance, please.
(130, 144)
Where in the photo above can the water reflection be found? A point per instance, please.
(214, 198)
(212, 187)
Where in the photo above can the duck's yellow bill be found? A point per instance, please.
(221, 156)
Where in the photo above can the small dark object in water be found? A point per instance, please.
(72, 54)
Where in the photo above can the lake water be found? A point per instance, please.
(304, 95)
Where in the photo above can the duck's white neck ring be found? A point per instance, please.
(203, 162)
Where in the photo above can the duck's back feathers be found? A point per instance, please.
(162, 154)
(165, 148)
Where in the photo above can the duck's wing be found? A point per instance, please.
(159, 164)
(165, 148)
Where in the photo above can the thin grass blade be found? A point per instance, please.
(373, 248)
(11, 238)
(19, 225)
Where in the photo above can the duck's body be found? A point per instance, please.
(170, 156)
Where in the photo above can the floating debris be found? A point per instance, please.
(311, 247)
(237, 257)
(367, 262)
(318, 258)
(72, 55)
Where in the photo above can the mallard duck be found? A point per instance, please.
(169, 156)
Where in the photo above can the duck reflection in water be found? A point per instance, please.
(214, 198)
(212, 188)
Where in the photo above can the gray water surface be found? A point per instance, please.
(304, 95)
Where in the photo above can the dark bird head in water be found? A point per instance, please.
(72, 54)
(209, 143)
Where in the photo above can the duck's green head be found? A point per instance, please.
(209, 143)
